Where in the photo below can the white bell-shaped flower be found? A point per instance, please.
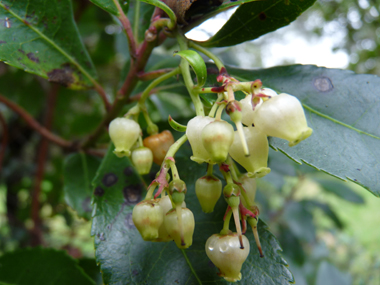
(256, 163)
(193, 132)
(247, 109)
(282, 116)
(124, 133)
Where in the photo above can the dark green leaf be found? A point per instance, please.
(42, 38)
(202, 13)
(197, 63)
(78, 172)
(340, 189)
(125, 258)
(342, 109)
(254, 19)
(24, 90)
(36, 266)
(292, 246)
(110, 7)
(91, 269)
(300, 221)
(328, 274)
(145, 14)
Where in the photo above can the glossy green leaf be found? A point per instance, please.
(342, 108)
(125, 258)
(300, 221)
(197, 63)
(144, 14)
(110, 6)
(340, 189)
(208, 11)
(91, 269)
(78, 171)
(15, 86)
(42, 38)
(36, 266)
(254, 19)
(162, 5)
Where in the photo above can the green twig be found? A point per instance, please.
(185, 69)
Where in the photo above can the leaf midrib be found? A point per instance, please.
(52, 43)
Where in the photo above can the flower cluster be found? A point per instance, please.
(163, 215)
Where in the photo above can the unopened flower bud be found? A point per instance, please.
(256, 163)
(217, 138)
(166, 205)
(147, 216)
(142, 159)
(124, 133)
(193, 132)
(233, 109)
(208, 190)
(181, 230)
(228, 256)
(283, 117)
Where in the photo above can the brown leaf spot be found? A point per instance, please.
(128, 171)
(32, 57)
(99, 191)
(3, 42)
(262, 16)
(109, 179)
(62, 76)
(132, 194)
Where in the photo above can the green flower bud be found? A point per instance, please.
(173, 226)
(283, 117)
(193, 131)
(142, 159)
(166, 205)
(217, 138)
(208, 190)
(124, 133)
(256, 163)
(227, 255)
(233, 109)
(148, 217)
(231, 189)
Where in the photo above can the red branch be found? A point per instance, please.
(35, 125)
(4, 141)
(128, 31)
(145, 76)
(36, 232)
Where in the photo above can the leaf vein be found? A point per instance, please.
(339, 122)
